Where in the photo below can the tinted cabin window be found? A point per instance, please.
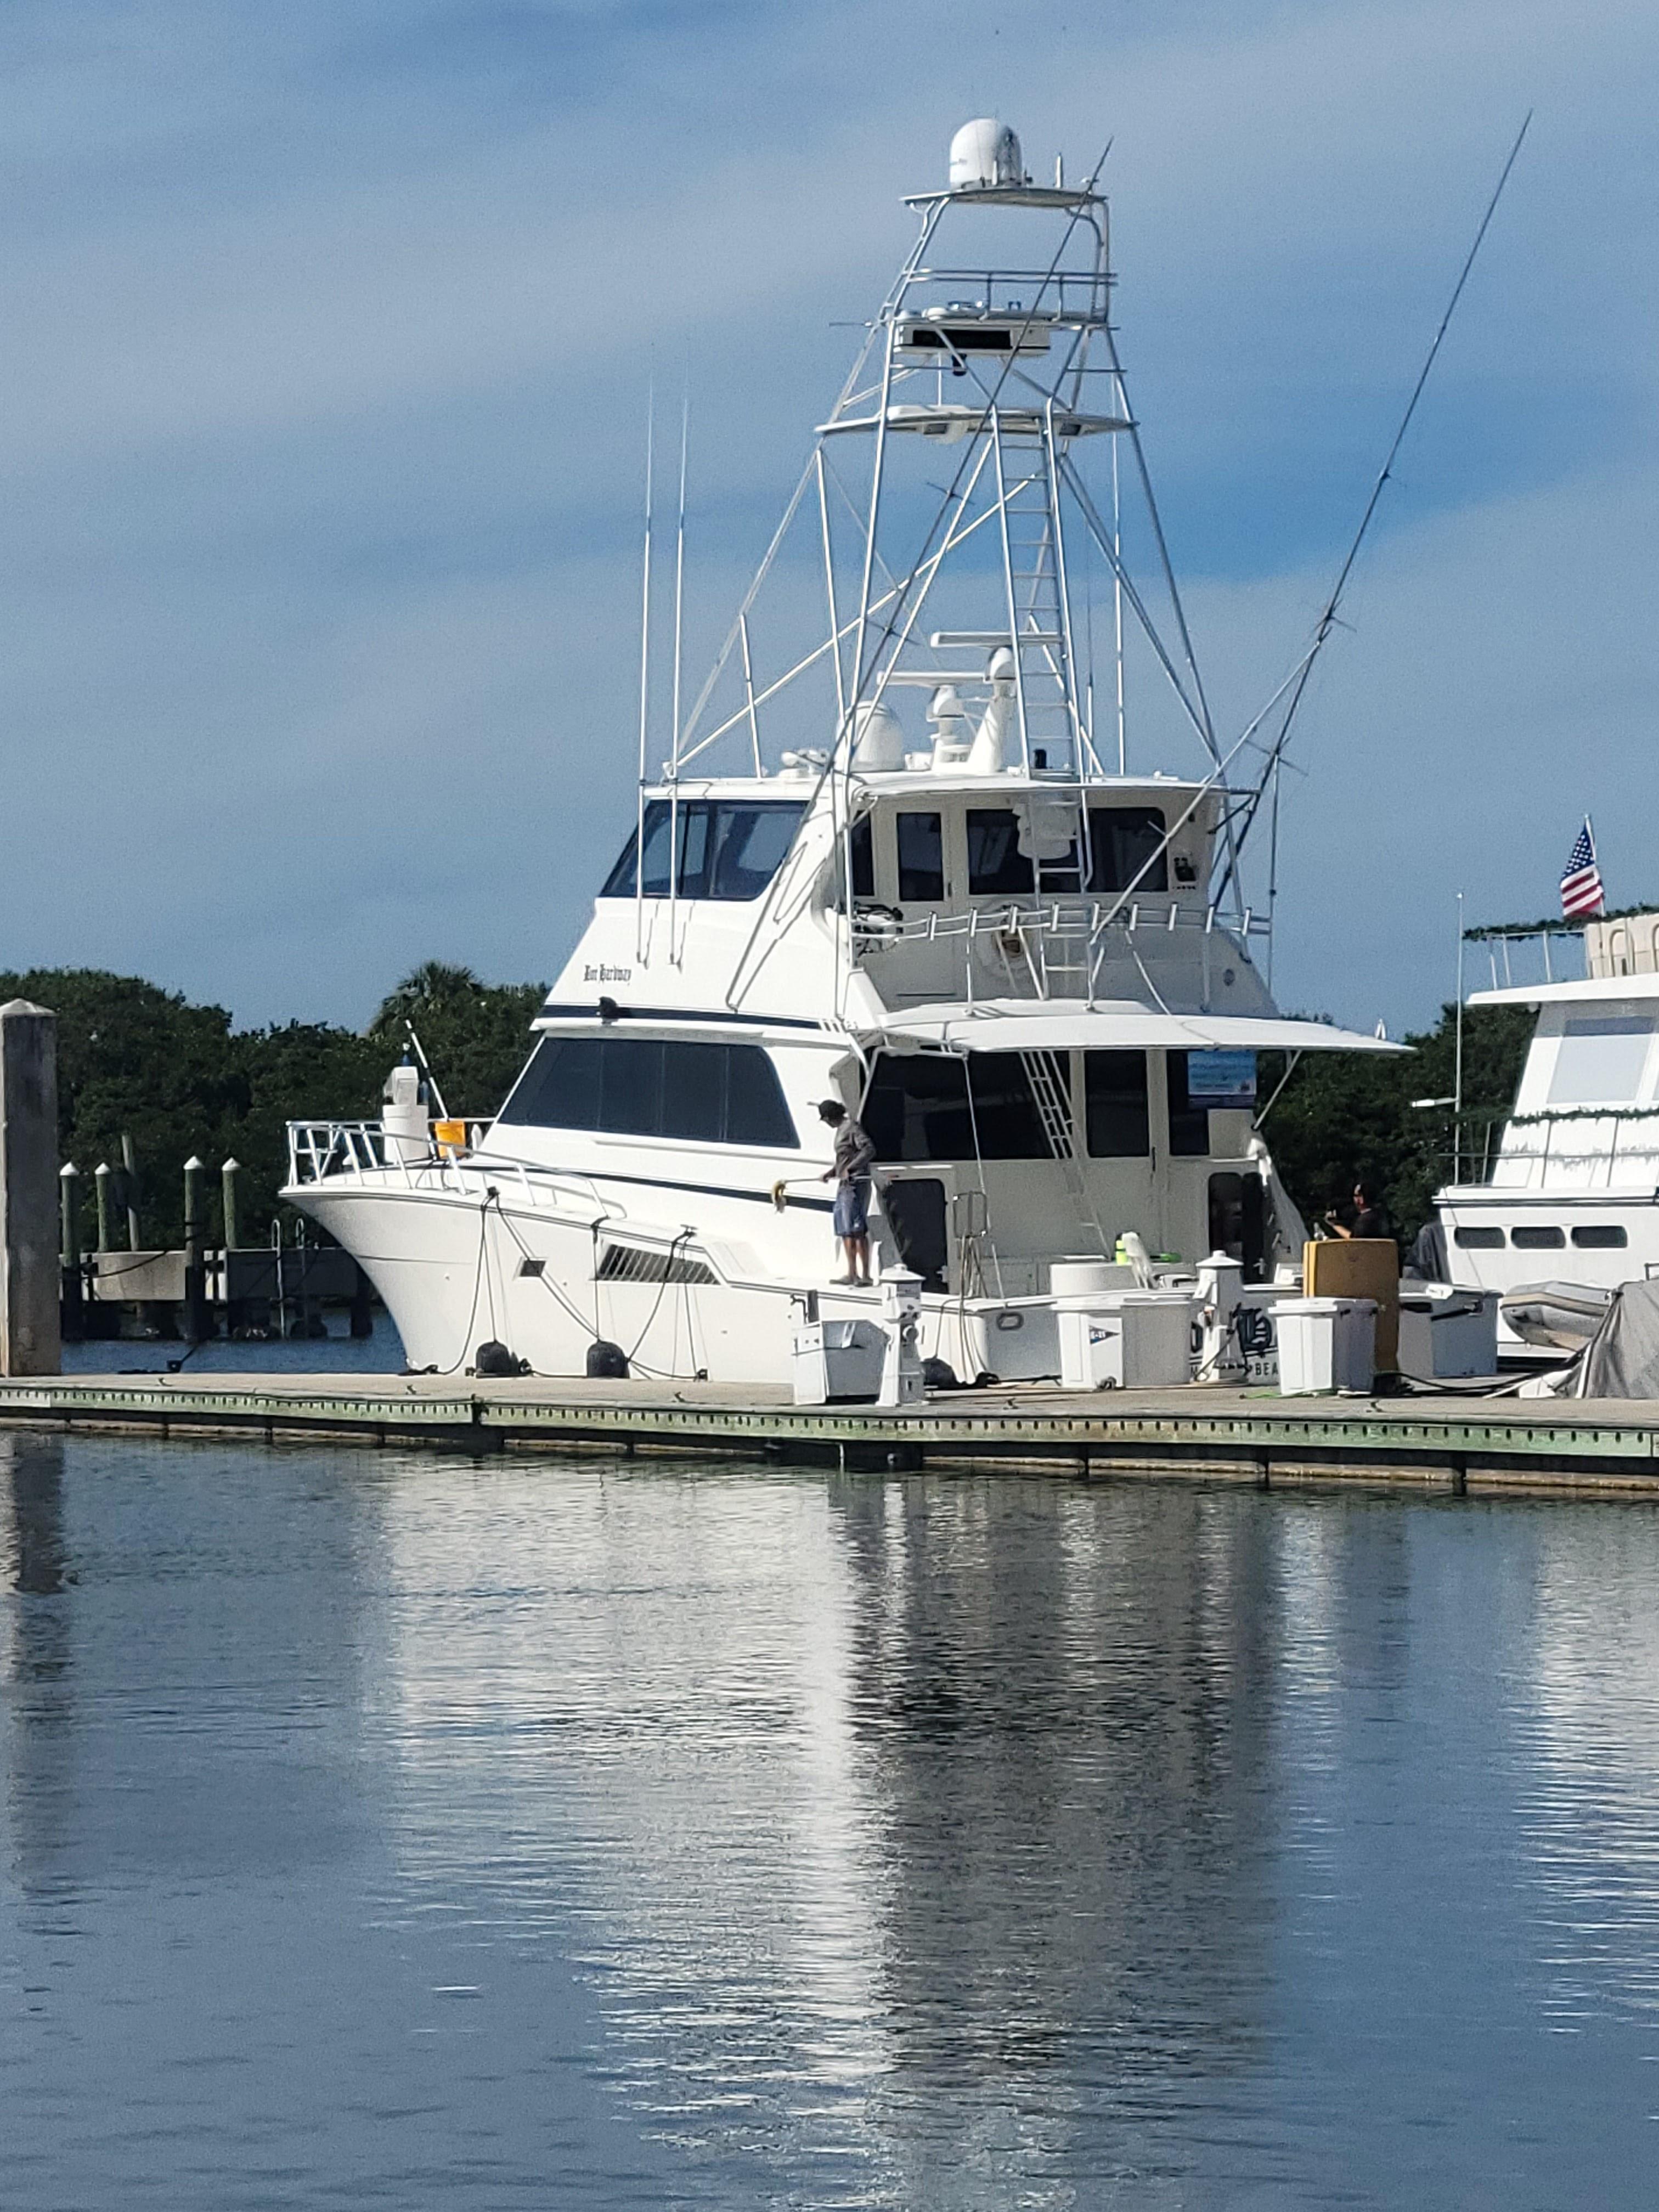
(729, 849)
(918, 1107)
(1189, 1124)
(1599, 1236)
(1115, 1088)
(920, 857)
(1005, 1111)
(1122, 840)
(995, 862)
(1537, 1240)
(861, 847)
(1479, 1240)
(719, 1094)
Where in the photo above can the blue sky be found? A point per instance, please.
(327, 335)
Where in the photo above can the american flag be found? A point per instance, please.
(1580, 879)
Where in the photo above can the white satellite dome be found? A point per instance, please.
(985, 152)
(878, 736)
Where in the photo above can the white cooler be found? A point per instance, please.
(1126, 1340)
(1325, 1344)
(838, 1360)
(1445, 1329)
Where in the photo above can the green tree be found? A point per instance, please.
(1341, 1115)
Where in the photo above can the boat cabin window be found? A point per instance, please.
(1601, 1059)
(1599, 1236)
(1114, 1098)
(935, 1106)
(1189, 1119)
(861, 847)
(716, 1094)
(728, 848)
(1479, 1240)
(1122, 840)
(1537, 1240)
(920, 857)
(995, 862)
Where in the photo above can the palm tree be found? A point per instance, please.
(435, 987)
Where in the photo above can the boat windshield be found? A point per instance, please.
(727, 848)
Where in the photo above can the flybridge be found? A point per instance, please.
(999, 590)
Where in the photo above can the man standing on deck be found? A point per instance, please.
(851, 1177)
(1369, 1219)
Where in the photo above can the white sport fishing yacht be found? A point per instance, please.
(1567, 1208)
(921, 887)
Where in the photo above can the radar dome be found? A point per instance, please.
(985, 152)
(878, 737)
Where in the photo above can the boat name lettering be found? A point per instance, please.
(606, 974)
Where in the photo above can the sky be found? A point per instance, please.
(327, 335)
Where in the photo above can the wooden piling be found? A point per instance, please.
(130, 1171)
(30, 1340)
(227, 1175)
(196, 1308)
(68, 1252)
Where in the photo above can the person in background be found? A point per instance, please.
(1369, 1217)
(851, 1177)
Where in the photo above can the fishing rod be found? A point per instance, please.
(1328, 619)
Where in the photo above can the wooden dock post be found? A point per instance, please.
(30, 1341)
(227, 1175)
(69, 1214)
(195, 1313)
(101, 1179)
(129, 1176)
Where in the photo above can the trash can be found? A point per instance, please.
(1126, 1340)
(1325, 1344)
(1447, 1330)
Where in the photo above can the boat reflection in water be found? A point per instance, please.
(718, 1837)
(882, 1802)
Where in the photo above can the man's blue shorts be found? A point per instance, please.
(852, 1213)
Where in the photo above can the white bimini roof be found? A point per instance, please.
(1586, 990)
(1107, 1025)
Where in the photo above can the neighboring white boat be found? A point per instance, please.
(930, 888)
(1568, 1207)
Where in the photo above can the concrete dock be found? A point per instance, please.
(1460, 1444)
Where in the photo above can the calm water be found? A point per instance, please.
(387, 1830)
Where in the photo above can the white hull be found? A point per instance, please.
(451, 1269)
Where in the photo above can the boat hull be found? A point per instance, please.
(457, 1268)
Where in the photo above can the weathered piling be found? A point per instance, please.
(69, 1255)
(101, 1179)
(129, 1178)
(196, 1308)
(30, 1342)
(227, 1175)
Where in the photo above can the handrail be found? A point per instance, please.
(327, 1151)
(875, 927)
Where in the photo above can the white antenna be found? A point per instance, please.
(1457, 1065)
(679, 566)
(674, 754)
(1117, 608)
(645, 671)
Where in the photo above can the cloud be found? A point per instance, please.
(328, 333)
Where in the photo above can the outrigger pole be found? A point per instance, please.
(1327, 619)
